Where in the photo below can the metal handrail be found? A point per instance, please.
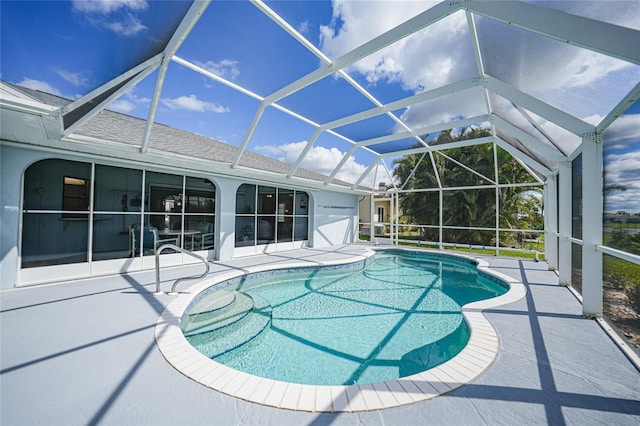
(194, 277)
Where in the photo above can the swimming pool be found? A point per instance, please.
(393, 316)
(478, 354)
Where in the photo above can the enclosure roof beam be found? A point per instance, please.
(404, 103)
(324, 58)
(305, 151)
(602, 37)
(409, 27)
(129, 79)
(365, 173)
(516, 153)
(619, 109)
(342, 162)
(252, 128)
(469, 169)
(547, 150)
(544, 110)
(413, 171)
(121, 84)
(539, 128)
(153, 108)
(457, 144)
(425, 130)
(436, 173)
(190, 19)
(216, 77)
(320, 55)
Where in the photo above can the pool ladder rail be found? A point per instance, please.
(173, 291)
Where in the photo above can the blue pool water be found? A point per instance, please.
(395, 316)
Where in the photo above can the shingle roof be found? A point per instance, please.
(126, 129)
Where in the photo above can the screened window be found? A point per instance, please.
(128, 219)
(266, 215)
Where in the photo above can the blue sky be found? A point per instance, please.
(69, 48)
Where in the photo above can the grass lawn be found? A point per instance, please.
(528, 245)
(487, 251)
(622, 271)
(622, 225)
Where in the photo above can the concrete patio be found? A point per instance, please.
(83, 352)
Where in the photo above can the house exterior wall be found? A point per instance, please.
(364, 214)
(334, 218)
(332, 215)
(13, 162)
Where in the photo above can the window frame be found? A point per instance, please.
(285, 214)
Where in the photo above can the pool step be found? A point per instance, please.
(217, 300)
(221, 340)
(210, 320)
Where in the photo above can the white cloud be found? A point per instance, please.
(226, 68)
(115, 15)
(303, 28)
(319, 159)
(437, 55)
(467, 103)
(578, 80)
(625, 13)
(624, 130)
(624, 170)
(122, 106)
(564, 75)
(573, 68)
(107, 6)
(129, 26)
(42, 86)
(128, 102)
(434, 56)
(78, 79)
(192, 103)
(587, 68)
(354, 23)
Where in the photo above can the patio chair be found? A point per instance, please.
(151, 240)
(265, 231)
(206, 238)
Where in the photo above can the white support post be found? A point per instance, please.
(392, 219)
(551, 221)
(564, 223)
(496, 176)
(440, 219)
(397, 218)
(592, 206)
(372, 225)
(497, 191)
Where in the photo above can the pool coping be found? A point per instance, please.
(476, 357)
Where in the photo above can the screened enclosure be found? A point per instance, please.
(503, 127)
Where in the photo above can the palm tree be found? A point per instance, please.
(465, 208)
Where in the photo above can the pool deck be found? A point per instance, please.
(84, 352)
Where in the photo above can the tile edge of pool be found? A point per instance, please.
(476, 357)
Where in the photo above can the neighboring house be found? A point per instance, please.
(92, 203)
(381, 214)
